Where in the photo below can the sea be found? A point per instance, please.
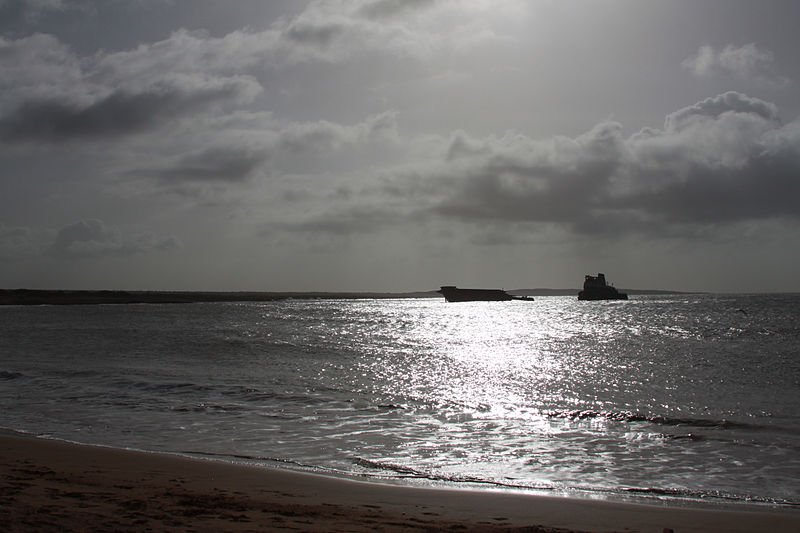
(667, 398)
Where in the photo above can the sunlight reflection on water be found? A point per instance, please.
(495, 356)
(480, 383)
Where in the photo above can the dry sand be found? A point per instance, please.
(54, 486)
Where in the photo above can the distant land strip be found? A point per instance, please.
(88, 297)
(69, 297)
(574, 292)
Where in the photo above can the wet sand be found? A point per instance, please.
(54, 486)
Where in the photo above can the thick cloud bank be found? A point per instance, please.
(725, 159)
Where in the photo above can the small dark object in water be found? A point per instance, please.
(596, 288)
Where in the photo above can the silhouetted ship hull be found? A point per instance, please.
(596, 288)
(452, 293)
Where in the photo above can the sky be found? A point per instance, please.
(388, 145)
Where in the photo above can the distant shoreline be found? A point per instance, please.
(85, 297)
(95, 297)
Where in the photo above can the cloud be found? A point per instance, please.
(243, 149)
(17, 242)
(327, 31)
(92, 238)
(734, 166)
(378, 9)
(746, 62)
(723, 160)
(336, 30)
(308, 136)
(713, 107)
(360, 220)
(39, 67)
(120, 113)
(40, 5)
(217, 164)
(49, 93)
(189, 53)
(31, 10)
(517, 179)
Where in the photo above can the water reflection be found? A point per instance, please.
(493, 357)
(551, 393)
(479, 383)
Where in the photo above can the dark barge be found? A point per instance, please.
(452, 293)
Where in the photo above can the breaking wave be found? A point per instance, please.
(627, 416)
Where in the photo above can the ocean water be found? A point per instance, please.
(682, 398)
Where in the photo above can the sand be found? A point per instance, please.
(47, 485)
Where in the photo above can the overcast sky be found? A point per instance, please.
(399, 144)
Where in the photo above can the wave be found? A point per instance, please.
(706, 495)
(8, 376)
(207, 408)
(627, 416)
(246, 457)
(405, 472)
(391, 407)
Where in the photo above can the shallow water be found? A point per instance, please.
(690, 396)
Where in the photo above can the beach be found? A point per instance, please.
(49, 485)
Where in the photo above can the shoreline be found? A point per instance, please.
(49, 484)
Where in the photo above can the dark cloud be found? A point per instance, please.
(516, 179)
(723, 160)
(764, 186)
(320, 34)
(388, 8)
(249, 152)
(345, 222)
(91, 238)
(223, 164)
(118, 114)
